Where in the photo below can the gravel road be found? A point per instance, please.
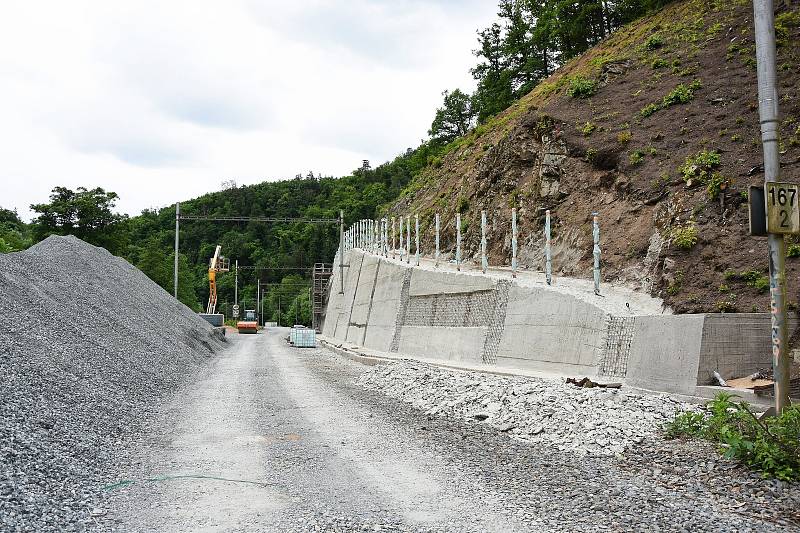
(273, 438)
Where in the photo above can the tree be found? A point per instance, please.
(86, 214)
(453, 119)
(494, 92)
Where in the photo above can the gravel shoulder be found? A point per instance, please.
(285, 439)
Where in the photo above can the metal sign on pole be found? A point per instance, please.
(514, 242)
(484, 262)
(235, 311)
(458, 241)
(436, 256)
(764, 18)
(596, 252)
(548, 260)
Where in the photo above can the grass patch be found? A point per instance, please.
(770, 446)
(685, 237)
(581, 87)
(699, 168)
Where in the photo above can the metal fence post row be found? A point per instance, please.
(484, 262)
(416, 238)
(436, 256)
(458, 241)
(514, 242)
(548, 260)
(596, 252)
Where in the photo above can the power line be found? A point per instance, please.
(259, 219)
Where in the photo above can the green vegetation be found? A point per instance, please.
(716, 184)
(793, 250)
(636, 157)
(699, 168)
(624, 137)
(587, 128)
(14, 234)
(685, 237)
(532, 39)
(681, 94)
(658, 63)
(581, 87)
(770, 445)
(648, 110)
(654, 42)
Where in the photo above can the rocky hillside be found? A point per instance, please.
(656, 129)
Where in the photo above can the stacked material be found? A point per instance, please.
(88, 347)
(586, 421)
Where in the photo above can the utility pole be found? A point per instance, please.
(341, 251)
(177, 242)
(258, 299)
(236, 285)
(764, 18)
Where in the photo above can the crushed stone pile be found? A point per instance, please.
(586, 421)
(89, 346)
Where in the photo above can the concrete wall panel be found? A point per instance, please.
(548, 327)
(384, 307)
(452, 344)
(665, 353)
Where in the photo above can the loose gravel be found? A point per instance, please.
(89, 346)
(586, 421)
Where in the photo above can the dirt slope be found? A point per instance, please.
(693, 64)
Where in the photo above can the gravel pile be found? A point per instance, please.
(588, 422)
(88, 347)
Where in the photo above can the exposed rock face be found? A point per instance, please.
(601, 154)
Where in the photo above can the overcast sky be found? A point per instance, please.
(163, 100)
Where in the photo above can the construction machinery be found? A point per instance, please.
(249, 322)
(216, 264)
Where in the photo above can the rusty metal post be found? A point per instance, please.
(402, 238)
(394, 248)
(764, 18)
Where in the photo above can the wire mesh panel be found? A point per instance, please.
(496, 323)
(619, 337)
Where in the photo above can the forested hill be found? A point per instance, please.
(274, 247)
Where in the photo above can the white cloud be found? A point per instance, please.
(161, 101)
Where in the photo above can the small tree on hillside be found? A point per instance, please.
(454, 118)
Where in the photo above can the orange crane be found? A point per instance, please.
(217, 264)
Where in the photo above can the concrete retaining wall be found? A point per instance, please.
(393, 307)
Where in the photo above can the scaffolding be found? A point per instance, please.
(321, 276)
